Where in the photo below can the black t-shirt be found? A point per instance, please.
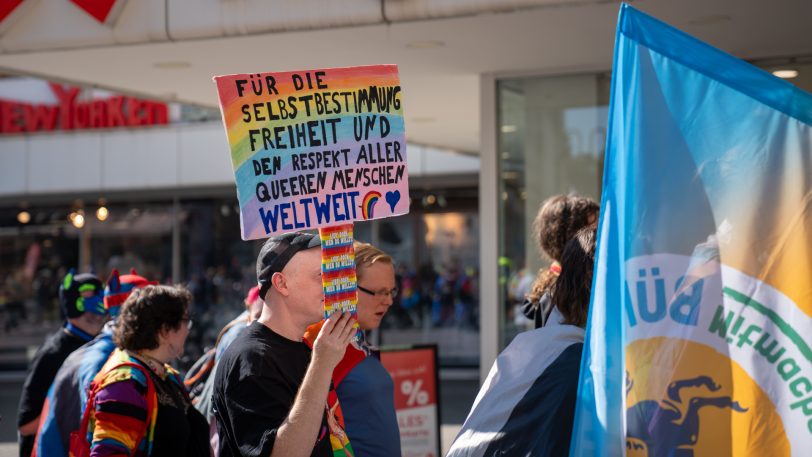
(180, 429)
(46, 363)
(254, 388)
(43, 370)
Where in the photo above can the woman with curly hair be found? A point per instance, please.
(558, 220)
(137, 404)
(527, 403)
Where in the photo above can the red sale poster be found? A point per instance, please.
(414, 373)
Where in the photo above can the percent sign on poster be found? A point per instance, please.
(414, 373)
(416, 396)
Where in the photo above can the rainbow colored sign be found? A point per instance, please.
(315, 148)
(338, 274)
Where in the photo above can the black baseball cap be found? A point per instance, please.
(277, 252)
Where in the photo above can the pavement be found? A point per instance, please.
(447, 434)
(456, 399)
(17, 347)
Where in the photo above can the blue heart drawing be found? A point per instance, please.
(393, 198)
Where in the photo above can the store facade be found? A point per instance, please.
(520, 88)
(157, 194)
(544, 134)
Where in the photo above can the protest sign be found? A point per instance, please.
(698, 340)
(315, 148)
(414, 373)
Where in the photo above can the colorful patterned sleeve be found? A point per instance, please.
(121, 418)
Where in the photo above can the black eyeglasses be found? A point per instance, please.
(393, 292)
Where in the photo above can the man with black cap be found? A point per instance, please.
(270, 390)
(81, 300)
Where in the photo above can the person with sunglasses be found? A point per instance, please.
(365, 390)
(81, 301)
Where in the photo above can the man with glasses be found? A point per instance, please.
(383, 293)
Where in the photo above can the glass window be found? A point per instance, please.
(436, 250)
(552, 132)
(217, 267)
(33, 259)
(133, 235)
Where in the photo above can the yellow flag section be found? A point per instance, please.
(709, 368)
(772, 239)
(698, 402)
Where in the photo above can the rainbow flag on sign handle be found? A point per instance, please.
(338, 273)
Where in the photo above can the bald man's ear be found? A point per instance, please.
(280, 283)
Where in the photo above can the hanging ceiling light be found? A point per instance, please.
(786, 73)
(23, 217)
(102, 212)
(77, 218)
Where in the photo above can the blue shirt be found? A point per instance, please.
(67, 396)
(367, 398)
(231, 334)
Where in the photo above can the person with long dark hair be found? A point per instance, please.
(558, 220)
(527, 403)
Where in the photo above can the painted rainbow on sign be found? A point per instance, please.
(368, 204)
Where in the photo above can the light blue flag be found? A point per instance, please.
(700, 327)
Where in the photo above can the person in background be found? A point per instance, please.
(409, 293)
(271, 389)
(364, 388)
(253, 308)
(558, 220)
(139, 405)
(67, 397)
(200, 378)
(527, 403)
(81, 300)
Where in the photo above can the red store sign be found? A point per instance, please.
(71, 114)
(414, 373)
